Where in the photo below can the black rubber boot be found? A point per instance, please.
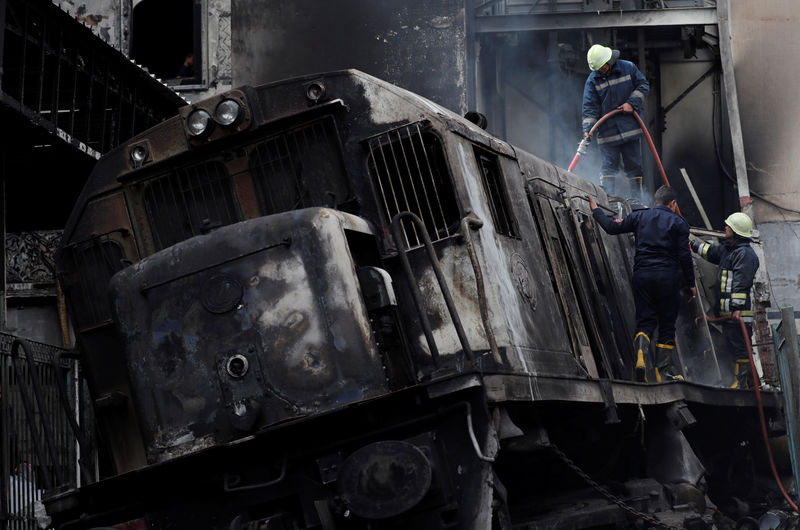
(665, 370)
(608, 183)
(641, 344)
(742, 377)
(635, 198)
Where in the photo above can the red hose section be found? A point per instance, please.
(574, 162)
(741, 322)
(646, 135)
(653, 149)
(760, 408)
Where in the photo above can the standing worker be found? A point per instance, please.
(661, 266)
(615, 84)
(738, 264)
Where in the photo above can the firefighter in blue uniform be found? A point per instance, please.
(615, 84)
(662, 266)
(738, 264)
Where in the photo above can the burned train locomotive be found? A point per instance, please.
(330, 303)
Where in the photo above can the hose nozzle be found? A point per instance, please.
(583, 145)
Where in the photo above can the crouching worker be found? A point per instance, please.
(738, 264)
(662, 266)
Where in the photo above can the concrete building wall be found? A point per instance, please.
(111, 20)
(766, 47)
(419, 45)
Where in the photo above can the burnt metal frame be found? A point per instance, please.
(85, 76)
(555, 21)
(17, 380)
(415, 130)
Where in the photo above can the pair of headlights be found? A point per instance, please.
(227, 114)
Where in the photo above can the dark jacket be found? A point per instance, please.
(662, 239)
(738, 264)
(601, 95)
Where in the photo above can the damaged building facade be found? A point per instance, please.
(198, 27)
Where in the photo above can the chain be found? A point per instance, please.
(607, 494)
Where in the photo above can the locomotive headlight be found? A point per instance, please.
(315, 91)
(138, 154)
(228, 112)
(198, 122)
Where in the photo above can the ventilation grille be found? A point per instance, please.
(188, 202)
(89, 268)
(299, 168)
(409, 173)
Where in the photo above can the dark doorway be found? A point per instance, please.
(164, 33)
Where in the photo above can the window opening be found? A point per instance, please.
(410, 174)
(178, 27)
(492, 177)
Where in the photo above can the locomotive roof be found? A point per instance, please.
(115, 165)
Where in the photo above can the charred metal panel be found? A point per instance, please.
(519, 294)
(222, 342)
(419, 45)
(108, 19)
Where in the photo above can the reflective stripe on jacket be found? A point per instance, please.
(738, 264)
(601, 95)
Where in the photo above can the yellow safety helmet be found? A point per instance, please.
(741, 224)
(598, 55)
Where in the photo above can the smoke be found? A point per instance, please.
(539, 88)
(541, 81)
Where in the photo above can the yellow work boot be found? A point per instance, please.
(667, 371)
(642, 345)
(742, 377)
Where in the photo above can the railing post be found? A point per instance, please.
(788, 355)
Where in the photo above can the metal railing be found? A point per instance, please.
(38, 451)
(70, 82)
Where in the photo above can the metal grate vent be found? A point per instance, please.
(189, 201)
(409, 172)
(89, 267)
(299, 168)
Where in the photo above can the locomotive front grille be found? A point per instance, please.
(299, 168)
(188, 201)
(409, 172)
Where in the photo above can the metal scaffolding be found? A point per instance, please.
(69, 82)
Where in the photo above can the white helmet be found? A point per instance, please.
(741, 224)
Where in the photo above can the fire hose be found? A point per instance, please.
(582, 146)
(584, 143)
(760, 405)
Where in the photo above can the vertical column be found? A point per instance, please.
(3, 299)
(726, 58)
(2, 38)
